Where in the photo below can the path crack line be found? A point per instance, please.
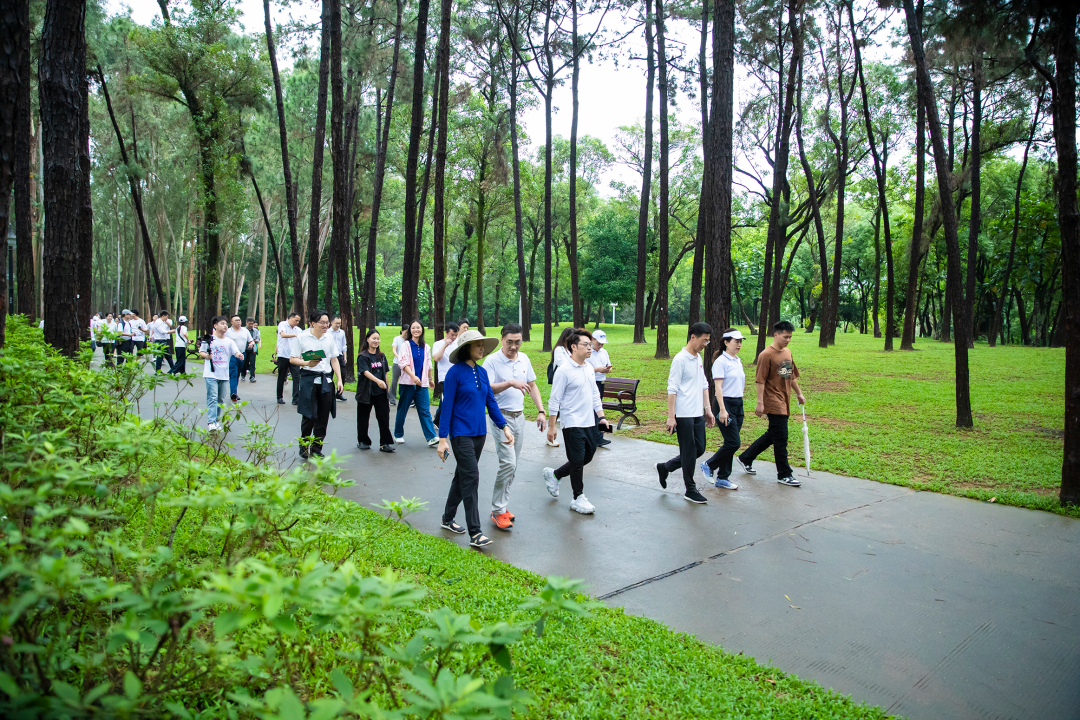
(690, 566)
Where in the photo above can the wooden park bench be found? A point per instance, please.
(621, 394)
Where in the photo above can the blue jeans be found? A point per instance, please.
(406, 394)
(215, 396)
(235, 364)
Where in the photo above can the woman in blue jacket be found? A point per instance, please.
(462, 426)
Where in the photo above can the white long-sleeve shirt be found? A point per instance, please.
(575, 399)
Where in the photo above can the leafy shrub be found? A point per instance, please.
(147, 570)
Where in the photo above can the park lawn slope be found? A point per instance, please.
(888, 417)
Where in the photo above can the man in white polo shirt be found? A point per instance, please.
(600, 362)
(440, 354)
(243, 340)
(512, 377)
(160, 333)
(688, 409)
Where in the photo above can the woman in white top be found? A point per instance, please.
(559, 356)
(180, 344)
(730, 380)
(414, 358)
(320, 382)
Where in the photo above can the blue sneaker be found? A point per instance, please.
(706, 471)
(725, 484)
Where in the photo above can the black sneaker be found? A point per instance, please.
(663, 474)
(235, 397)
(363, 446)
(695, 497)
(789, 481)
(303, 455)
(295, 402)
(480, 541)
(453, 527)
(280, 401)
(386, 448)
(745, 468)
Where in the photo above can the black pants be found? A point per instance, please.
(381, 403)
(600, 439)
(109, 350)
(285, 367)
(249, 363)
(316, 427)
(140, 347)
(466, 484)
(580, 445)
(720, 462)
(124, 347)
(691, 434)
(167, 357)
(776, 436)
(180, 364)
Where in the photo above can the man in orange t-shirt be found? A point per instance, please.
(777, 375)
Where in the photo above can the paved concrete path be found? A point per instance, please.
(927, 605)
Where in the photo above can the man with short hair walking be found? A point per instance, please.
(287, 332)
(252, 353)
(512, 378)
(160, 335)
(688, 410)
(440, 355)
(242, 339)
(777, 375)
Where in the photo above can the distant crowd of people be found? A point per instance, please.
(482, 384)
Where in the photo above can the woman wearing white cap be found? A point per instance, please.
(466, 394)
(730, 380)
(601, 365)
(181, 341)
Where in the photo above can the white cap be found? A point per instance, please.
(600, 336)
(182, 318)
(734, 335)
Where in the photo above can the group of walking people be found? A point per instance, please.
(126, 334)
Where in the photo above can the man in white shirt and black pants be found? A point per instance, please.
(287, 332)
(575, 403)
(160, 333)
(688, 410)
(512, 378)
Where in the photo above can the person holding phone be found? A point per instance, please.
(688, 410)
(466, 394)
(730, 380)
(217, 351)
(371, 392)
(315, 353)
(575, 403)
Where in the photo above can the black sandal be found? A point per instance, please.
(453, 527)
(479, 540)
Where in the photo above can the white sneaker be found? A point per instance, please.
(433, 442)
(582, 505)
(399, 441)
(552, 444)
(213, 427)
(552, 481)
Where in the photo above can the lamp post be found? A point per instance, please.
(613, 306)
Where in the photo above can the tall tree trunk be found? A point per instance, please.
(550, 87)
(380, 176)
(815, 209)
(694, 311)
(1006, 282)
(439, 209)
(576, 50)
(136, 195)
(716, 233)
(1063, 103)
(881, 160)
(975, 216)
(339, 155)
(646, 185)
(875, 305)
(410, 272)
(19, 44)
(286, 166)
(317, 164)
(919, 244)
(62, 83)
(949, 220)
(519, 233)
(663, 275)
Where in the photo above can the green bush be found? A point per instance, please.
(149, 569)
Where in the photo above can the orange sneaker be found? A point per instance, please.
(512, 517)
(504, 521)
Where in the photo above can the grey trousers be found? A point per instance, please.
(508, 459)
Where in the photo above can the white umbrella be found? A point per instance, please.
(805, 440)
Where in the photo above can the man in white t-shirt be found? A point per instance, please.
(218, 355)
(440, 355)
(139, 330)
(320, 383)
(512, 378)
(125, 344)
(601, 365)
(341, 342)
(160, 334)
(243, 340)
(688, 410)
(287, 332)
(95, 323)
(252, 354)
(180, 343)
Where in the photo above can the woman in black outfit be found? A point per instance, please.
(371, 392)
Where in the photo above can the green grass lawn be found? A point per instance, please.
(882, 416)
